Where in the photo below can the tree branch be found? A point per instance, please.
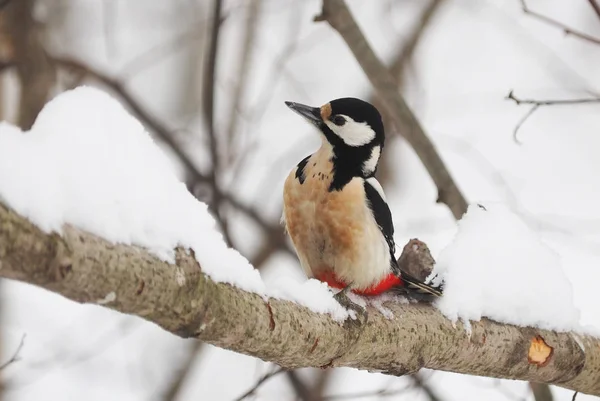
(35, 72)
(337, 14)
(536, 104)
(567, 30)
(595, 6)
(87, 269)
(15, 356)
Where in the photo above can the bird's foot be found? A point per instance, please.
(342, 298)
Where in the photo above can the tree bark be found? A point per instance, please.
(182, 300)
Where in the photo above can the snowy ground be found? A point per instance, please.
(547, 235)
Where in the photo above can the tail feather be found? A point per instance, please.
(421, 287)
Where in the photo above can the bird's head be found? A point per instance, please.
(352, 127)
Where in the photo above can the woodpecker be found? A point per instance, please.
(335, 210)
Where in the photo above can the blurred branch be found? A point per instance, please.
(184, 371)
(208, 107)
(243, 68)
(420, 383)
(410, 44)
(208, 94)
(259, 383)
(595, 6)
(377, 393)
(567, 30)
(35, 73)
(397, 68)
(281, 331)
(541, 392)
(15, 356)
(536, 104)
(303, 391)
(337, 14)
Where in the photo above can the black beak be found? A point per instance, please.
(312, 114)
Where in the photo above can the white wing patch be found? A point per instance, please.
(371, 164)
(377, 186)
(352, 133)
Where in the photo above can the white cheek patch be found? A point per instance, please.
(370, 165)
(353, 133)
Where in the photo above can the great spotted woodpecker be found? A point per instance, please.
(335, 210)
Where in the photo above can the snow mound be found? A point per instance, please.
(497, 267)
(88, 163)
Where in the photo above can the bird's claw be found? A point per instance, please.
(342, 298)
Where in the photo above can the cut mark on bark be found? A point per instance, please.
(314, 346)
(140, 288)
(539, 352)
(271, 319)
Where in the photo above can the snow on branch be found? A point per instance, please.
(186, 302)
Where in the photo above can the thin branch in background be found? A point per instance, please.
(419, 382)
(208, 108)
(184, 372)
(536, 104)
(521, 122)
(595, 6)
(567, 30)
(540, 391)
(384, 392)
(158, 52)
(397, 69)
(339, 17)
(15, 356)
(109, 16)
(303, 391)
(239, 91)
(259, 383)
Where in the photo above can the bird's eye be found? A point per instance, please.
(339, 120)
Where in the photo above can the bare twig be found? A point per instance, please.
(337, 14)
(35, 73)
(242, 74)
(208, 107)
(423, 386)
(208, 91)
(397, 68)
(381, 393)
(595, 6)
(567, 30)
(536, 104)
(556, 102)
(184, 371)
(522, 121)
(541, 392)
(260, 381)
(15, 356)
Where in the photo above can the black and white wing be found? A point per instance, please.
(383, 218)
